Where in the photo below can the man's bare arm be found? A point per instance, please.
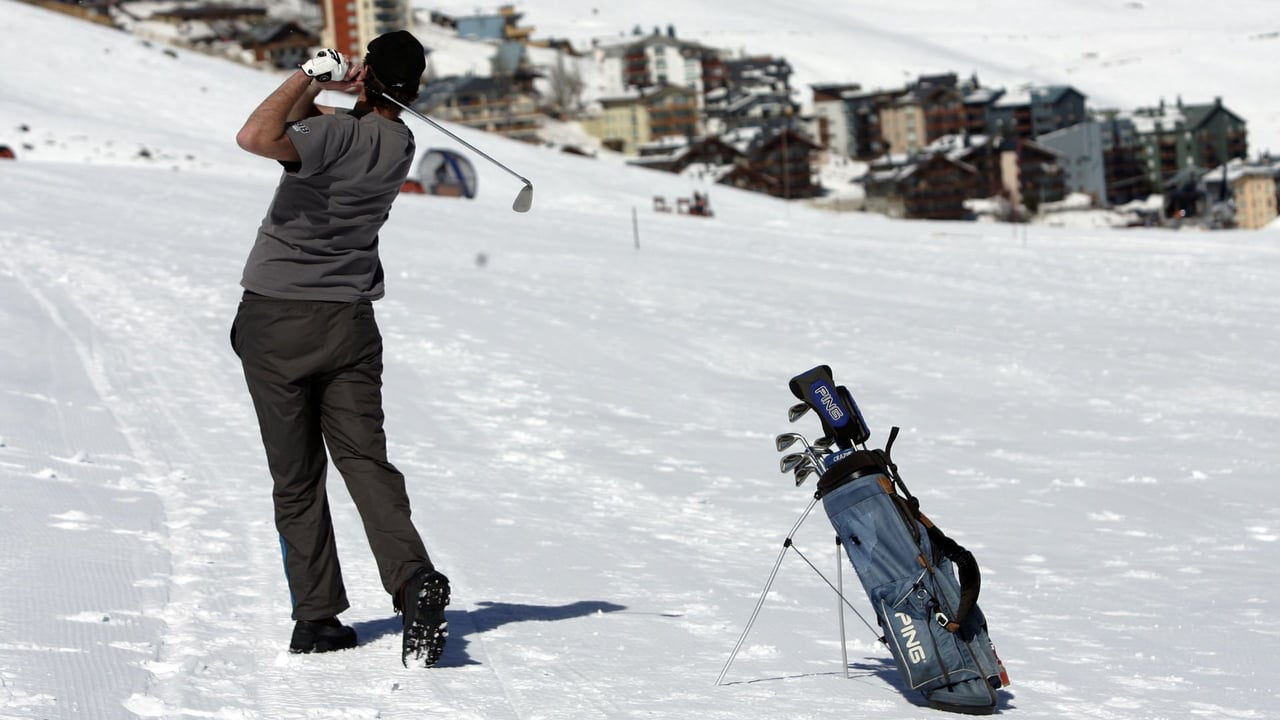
(306, 107)
(264, 132)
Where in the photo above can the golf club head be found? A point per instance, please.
(524, 200)
(824, 442)
(790, 462)
(802, 473)
(786, 440)
(797, 411)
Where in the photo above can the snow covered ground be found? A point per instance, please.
(587, 431)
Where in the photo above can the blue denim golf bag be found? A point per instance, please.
(931, 622)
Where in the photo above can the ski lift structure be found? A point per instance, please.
(448, 174)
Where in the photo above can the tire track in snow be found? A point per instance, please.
(81, 504)
(129, 373)
(223, 648)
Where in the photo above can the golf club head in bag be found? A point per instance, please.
(797, 411)
(786, 440)
(791, 462)
(802, 473)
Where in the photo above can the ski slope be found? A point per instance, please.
(587, 428)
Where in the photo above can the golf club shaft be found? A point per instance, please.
(442, 129)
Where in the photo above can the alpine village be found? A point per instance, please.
(940, 146)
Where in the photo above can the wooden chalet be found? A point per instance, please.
(746, 177)
(282, 44)
(933, 188)
(712, 152)
(709, 151)
(786, 156)
(982, 152)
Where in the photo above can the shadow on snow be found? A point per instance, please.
(880, 669)
(488, 616)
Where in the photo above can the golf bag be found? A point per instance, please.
(931, 623)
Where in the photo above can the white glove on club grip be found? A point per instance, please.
(327, 65)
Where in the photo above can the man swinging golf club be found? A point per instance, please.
(306, 336)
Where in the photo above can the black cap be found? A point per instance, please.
(397, 59)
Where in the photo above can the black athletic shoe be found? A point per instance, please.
(317, 636)
(423, 600)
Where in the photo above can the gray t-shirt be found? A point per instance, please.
(319, 240)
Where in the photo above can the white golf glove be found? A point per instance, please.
(327, 66)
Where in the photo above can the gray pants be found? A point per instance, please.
(314, 370)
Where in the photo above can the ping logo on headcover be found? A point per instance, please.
(915, 652)
(825, 395)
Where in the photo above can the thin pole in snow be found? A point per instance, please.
(844, 651)
(635, 226)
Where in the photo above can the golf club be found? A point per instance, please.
(802, 473)
(524, 199)
(797, 411)
(791, 462)
(786, 440)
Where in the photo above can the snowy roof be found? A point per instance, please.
(651, 160)
(1145, 122)
(706, 171)
(629, 95)
(983, 95)
(749, 100)
(1027, 95)
(1237, 169)
(665, 147)
(956, 147)
(741, 139)
(1015, 98)
(893, 174)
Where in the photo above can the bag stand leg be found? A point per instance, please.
(844, 652)
(765, 593)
